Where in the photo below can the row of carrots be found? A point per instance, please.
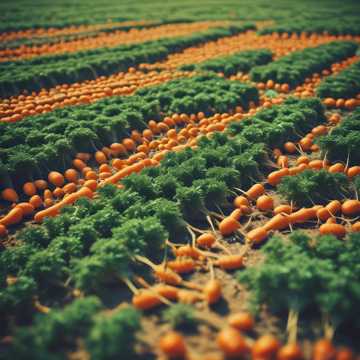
(107, 39)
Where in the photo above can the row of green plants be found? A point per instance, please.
(294, 68)
(48, 71)
(319, 26)
(230, 65)
(342, 144)
(345, 84)
(30, 148)
(92, 246)
(15, 16)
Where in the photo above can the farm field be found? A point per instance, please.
(179, 180)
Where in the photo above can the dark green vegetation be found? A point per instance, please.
(47, 71)
(303, 275)
(230, 65)
(343, 143)
(344, 85)
(295, 67)
(330, 26)
(49, 141)
(40, 13)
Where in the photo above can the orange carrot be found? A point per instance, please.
(10, 194)
(172, 344)
(26, 207)
(212, 291)
(350, 207)
(13, 217)
(277, 222)
(56, 178)
(242, 321)
(230, 262)
(265, 203)
(231, 343)
(258, 235)
(337, 230)
(255, 191)
(3, 231)
(29, 189)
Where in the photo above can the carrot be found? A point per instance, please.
(79, 164)
(172, 344)
(83, 156)
(91, 175)
(232, 343)
(58, 192)
(41, 184)
(3, 231)
(230, 262)
(302, 160)
(189, 251)
(353, 171)
(334, 207)
(236, 214)
(10, 194)
(49, 212)
(182, 265)
(48, 202)
(26, 207)
(71, 175)
(117, 149)
(35, 201)
(302, 215)
(265, 347)
(323, 214)
(167, 291)
(355, 226)
(265, 203)
(275, 177)
(255, 191)
(188, 297)
(14, 216)
(277, 222)
(91, 184)
(56, 178)
(290, 147)
(285, 209)
(316, 164)
(246, 210)
(145, 300)
(212, 291)
(350, 207)
(282, 161)
(319, 130)
(323, 350)
(118, 176)
(100, 157)
(258, 235)
(206, 240)
(242, 321)
(290, 352)
(337, 230)
(228, 226)
(337, 168)
(29, 189)
(305, 143)
(69, 188)
(241, 200)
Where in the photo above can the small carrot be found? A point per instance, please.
(242, 321)
(182, 265)
(206, 240)
(350, 207)
(56, 178)
(285, 209)
(145, 300)
(265, 347)
(187, 250)
(337, 230)
(232, 343)
(26, 207)
(69, 188)
(236, 214)
(230, 262)
(290, 352)
(41, 184)
(265, 203)
(228, 226)
(275, 177)
(277, 222)
(324, 349)
(36, 201)
(172, 344)
(49, 212)
(29, 189)
(353, 171)
(100, 157)
(255, 191)
(257, 236)
(13, 217)
(212, 291)
(241, 200)
(10, 194)
(71, 175)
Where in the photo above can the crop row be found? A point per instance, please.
(47, 71)
(230, 65)
(108, 40)
(48, 141)
(295, 67)
(320, 26)
(343, 85)
(93, 244)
